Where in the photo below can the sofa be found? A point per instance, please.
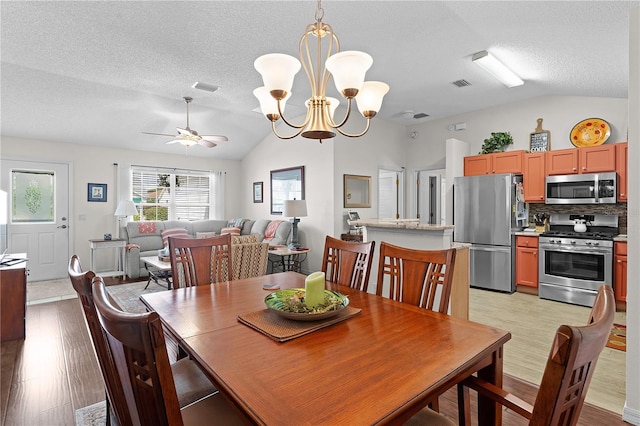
(145, 238)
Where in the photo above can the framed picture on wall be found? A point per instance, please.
(97, 192)
(257, 192)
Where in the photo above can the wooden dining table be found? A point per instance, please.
(378, 367)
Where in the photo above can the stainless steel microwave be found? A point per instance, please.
(597, 188)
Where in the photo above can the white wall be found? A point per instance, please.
(631, 411)
(559, 114)
(95, 164)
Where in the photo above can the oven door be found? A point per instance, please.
(578, 267)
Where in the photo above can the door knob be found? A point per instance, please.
(63, 226)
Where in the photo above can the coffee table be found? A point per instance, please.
(158, 270)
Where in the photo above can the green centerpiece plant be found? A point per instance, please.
(497, 142)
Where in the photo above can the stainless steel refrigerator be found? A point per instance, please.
(488, 210)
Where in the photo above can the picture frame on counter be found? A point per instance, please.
(540, 140)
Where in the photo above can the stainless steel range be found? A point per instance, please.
(574, 264)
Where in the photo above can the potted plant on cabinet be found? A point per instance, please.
(497, 142)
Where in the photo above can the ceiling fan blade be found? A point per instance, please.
(217, 138)
(174, 141)
(157, 134)
(206, 143)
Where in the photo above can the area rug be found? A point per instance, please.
(618, 337)
(127, 296)
(92, 415)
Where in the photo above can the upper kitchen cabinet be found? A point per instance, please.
(622, 158)
(496, 163)
(597, 159)
(562, 162)
(593, 159)
(533, 177)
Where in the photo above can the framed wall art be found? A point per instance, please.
(97, 192)
(257, 192)
(286, 184)
(540, 140)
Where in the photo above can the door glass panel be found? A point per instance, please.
(33, 195)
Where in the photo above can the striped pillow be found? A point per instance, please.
(175, 232)
(233, 230)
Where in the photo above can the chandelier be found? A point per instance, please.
(348, 69)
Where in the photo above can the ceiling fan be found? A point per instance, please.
(189, 137)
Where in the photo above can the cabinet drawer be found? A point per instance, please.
(620, 248)
(522, 241)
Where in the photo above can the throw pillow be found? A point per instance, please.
(245, 239)
(200, 235)
(147, 227)
(175, 232)
(236, 223)
(233, 230)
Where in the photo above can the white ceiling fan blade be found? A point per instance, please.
(157, 134)
(207, 143)
(174, 141)
(217, 138)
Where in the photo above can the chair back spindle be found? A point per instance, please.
(200, 261)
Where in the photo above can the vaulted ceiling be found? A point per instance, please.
(100, 73)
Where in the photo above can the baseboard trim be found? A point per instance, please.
(630, 415)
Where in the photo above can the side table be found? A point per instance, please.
(287, 259)
(158, 270)
(356, 238)
(119, 244)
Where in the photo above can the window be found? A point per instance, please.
(170, 194)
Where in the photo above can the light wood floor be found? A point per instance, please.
(533, 322)
(46, 377)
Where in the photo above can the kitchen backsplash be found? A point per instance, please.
(619, 209)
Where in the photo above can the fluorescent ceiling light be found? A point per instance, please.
(496, 69)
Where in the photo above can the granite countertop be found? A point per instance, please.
(620, 238)
(528, 233)
(399, 224)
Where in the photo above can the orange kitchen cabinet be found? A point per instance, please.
(533, 177)
(496, 163)
(620, 271)
(596, 159)
(527, 261)
(622, 159)
(562, 162)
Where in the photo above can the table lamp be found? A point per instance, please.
(125, 208)
(295, 209)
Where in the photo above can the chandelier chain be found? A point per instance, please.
(319, 12)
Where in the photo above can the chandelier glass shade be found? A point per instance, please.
(348, 69)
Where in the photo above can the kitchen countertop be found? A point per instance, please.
(528, 233)
(620, 238)
(401, 224)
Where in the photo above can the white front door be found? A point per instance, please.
(38, 215)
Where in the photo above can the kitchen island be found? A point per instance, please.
(410, 233)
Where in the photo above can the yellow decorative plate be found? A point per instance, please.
(590, 132)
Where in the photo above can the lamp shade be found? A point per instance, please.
(126, 208)
(295, 208)
(369, 98)
(268, 104)
(277, 70)
(348, 69)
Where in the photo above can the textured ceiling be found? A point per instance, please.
(101, 73)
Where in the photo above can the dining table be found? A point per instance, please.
(380, 365)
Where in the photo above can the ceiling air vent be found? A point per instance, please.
(461, 83)
(420, 115)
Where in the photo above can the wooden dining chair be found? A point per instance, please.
(191, 383)
(570, 366)
(347, 263)
(419, 277)
(200, 261)
(137, 347)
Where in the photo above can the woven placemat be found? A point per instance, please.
(282, 329)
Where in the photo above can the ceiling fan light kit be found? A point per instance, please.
(188, 137)
(348, 69)
(496, 68)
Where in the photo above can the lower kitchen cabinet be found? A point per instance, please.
(620, 271)
(527, 261)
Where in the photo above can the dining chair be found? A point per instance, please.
(419, 277)
(139, 353)
(191, 383)
(347, 263)
(200, 261)
(567, 374)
